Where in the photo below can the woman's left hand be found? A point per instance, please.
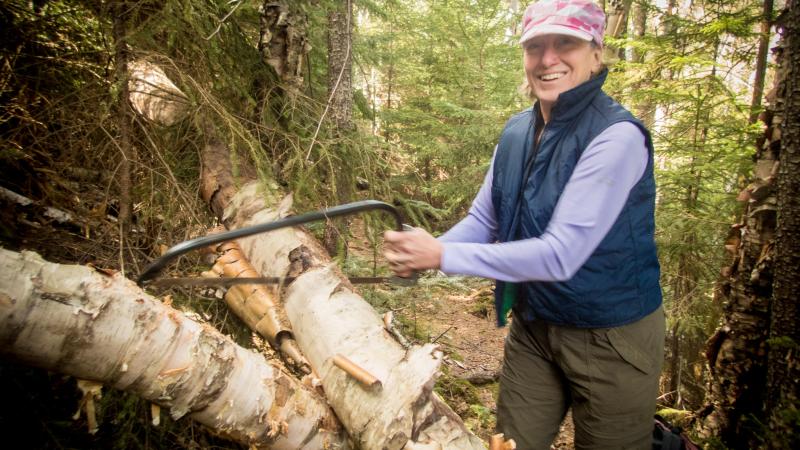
(410, 251)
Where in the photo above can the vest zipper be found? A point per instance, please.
(526, 175)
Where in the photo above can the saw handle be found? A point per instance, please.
(347, 209)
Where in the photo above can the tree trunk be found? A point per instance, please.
(761, 60)
(340, 66)
(257, 306)
(91, 325)
(783, 370)
(153, 95)
(639, 19)
(673, 395)
(645, 108)
(390, 78)
(755, 310)
(284, 48)
(340, 91)
(120, 12)
(282, 42)
(669, 18)
(617, 25)
(330, 319)
(684, 282)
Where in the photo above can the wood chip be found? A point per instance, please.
(357, 372)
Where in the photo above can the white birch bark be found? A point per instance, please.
(329, 318)
(80, 322)
(153, 95)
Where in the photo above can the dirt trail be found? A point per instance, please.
(464, 324)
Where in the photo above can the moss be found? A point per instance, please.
(782, 342)
(677, 417)
(465, 399)
(481, 418)
(454, 389)
(415, 328)
(483, 308)
(712, 443)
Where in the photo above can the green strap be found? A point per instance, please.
(509, 298)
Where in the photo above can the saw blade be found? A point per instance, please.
(197, 281)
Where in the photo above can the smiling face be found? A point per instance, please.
(556, 63)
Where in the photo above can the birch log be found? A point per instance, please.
(153, 95)
(329, 318)
(80, 322)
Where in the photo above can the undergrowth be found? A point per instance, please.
(466, 399)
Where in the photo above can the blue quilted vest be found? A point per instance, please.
(619, 283)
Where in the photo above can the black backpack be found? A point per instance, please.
(668, 437)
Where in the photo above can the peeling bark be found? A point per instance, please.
(329, 318)
(282, 43)
(783, 373)
(736, 353)
(80, 322)
(256, 305)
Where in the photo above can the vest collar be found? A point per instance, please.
(574, 101)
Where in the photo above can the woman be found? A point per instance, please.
(564, 222)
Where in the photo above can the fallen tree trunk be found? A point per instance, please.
(90, 325)
(328, 319)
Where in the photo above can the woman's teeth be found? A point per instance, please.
(551, 76)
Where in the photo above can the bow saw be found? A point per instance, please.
(148, 276)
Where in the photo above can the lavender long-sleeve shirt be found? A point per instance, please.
(590, 204)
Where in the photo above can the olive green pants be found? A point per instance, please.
(608, 376)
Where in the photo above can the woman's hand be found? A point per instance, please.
(410, 251)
